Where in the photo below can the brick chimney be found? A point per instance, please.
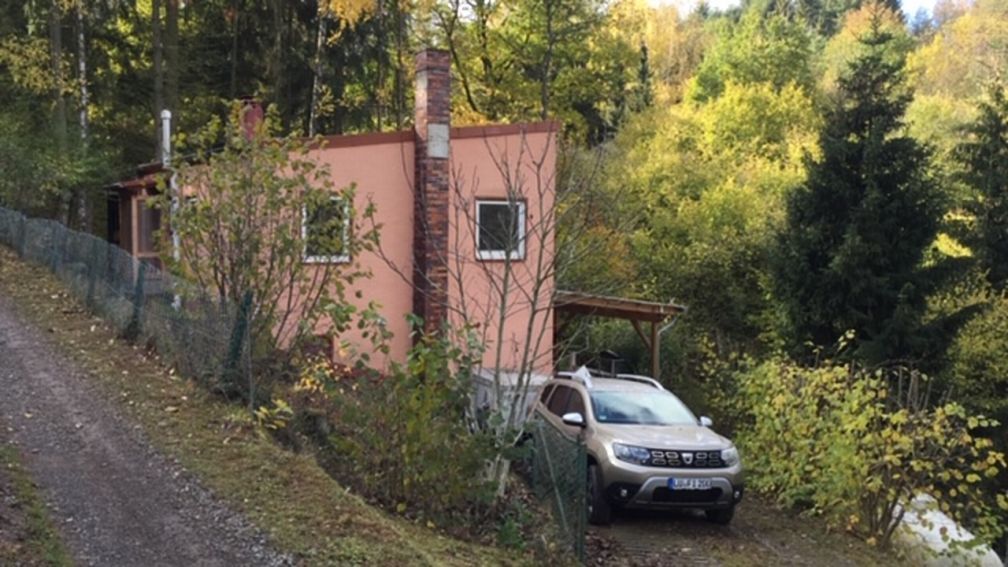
(252, 116)
(432, 125)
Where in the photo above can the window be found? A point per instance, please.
(546, 394)
(576, 404)
(324, 229)
(147, 227)
(558, 403)
(640, 408)
(500, 233)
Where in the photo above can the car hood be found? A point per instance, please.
(694, 437)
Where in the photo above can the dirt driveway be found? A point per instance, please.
(760, 534)
(114, 499)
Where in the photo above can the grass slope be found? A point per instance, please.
(27, 535)
(287, 495)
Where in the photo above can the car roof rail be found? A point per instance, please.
(640, 379)
(582, 375)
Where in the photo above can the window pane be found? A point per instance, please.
(576, 404)
(558, 403)
(149, 224)
(498, 227)
(325, 229)
(546, 393)
(640, 408)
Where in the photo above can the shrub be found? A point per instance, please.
(857, 445)
(404, 439)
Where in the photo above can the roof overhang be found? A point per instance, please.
(618, 307)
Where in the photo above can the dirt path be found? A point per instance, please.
(758, 535)
(115, 500)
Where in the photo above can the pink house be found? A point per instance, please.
(466, 215)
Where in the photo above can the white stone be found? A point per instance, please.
(437, 141)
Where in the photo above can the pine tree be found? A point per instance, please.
(985, 157)
(850, 255)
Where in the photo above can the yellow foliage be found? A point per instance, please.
(275, 417)
(965, 53)
(828, 440)
(348, 12)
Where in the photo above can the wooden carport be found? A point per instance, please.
(661, 316)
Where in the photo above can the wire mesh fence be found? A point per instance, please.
(203, 338)
(208, 340)
(559, 476)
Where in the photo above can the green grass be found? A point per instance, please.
(302, 509)
(39, 542)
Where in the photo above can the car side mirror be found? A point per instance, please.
(574, 418)
(706, 421)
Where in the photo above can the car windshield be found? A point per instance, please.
(640, 408)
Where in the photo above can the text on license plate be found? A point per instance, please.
(689, 483)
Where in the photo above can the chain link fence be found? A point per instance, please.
(203, 338)
(559, 476)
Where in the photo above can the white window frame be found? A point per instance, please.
(338, 259)
(518, 254)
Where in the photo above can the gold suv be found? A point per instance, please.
(646, 449)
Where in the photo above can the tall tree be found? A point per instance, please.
(851, 253)
(985, 158)
(81, 196)
(172, 61)
(157, 46)
(759, 48)
(59, 83)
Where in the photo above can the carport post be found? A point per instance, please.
(655, 350)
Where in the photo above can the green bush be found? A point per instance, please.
(979, 360)
(405, 439)
(856, 445)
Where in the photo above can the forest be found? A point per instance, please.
(821, 182)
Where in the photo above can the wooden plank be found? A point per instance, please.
(640, 333)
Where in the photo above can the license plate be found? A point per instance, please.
(689, 483)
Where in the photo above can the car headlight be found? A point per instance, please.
(730, 456)
(631, 453)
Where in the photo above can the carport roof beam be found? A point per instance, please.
(634, 310)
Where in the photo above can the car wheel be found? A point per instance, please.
(723, 517)
(599, 511)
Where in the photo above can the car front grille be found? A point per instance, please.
(685, 459)
(664, 494)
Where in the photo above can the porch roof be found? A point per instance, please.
(618, 307)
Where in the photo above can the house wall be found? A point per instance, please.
(382, 171)
(381, 168)
(476, 286)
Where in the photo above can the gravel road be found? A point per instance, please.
(115, 500)
(759, 535)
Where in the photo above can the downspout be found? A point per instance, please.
(656, 343)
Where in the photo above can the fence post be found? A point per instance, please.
(232, 372)
(580, 505)
(135, 325)
(60, 260)
(92, 274)
(22, 236)
(53, 228)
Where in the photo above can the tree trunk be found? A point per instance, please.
(316, 93)
(171, 60)
(158, 46)
(59, 118)
(82, 197)
(400, 72)
(82, 71)
(235, 14)
(544, 94)
(276, 58)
